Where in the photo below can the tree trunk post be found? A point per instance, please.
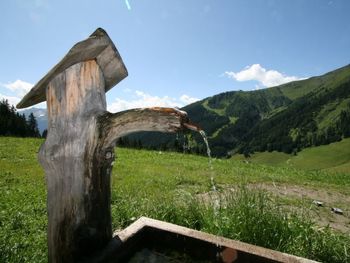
(78, 153)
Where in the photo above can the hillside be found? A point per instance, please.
(334, 157)
(286, 118)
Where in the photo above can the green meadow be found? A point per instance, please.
(267, 205)
(332, 157)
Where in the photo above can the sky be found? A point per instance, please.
(177, 51)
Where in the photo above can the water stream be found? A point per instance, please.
(205, 139)
(196, 128)
(215, 196)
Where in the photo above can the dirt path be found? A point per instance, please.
(322, 214)
(301, 199)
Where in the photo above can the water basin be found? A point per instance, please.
(153, 241)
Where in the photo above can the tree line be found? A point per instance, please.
(184, 142)
(12, 123)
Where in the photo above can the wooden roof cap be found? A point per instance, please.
(98, 46)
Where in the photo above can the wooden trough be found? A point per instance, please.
(78, 156)
(149, 240)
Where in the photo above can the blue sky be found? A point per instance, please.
(180, 50)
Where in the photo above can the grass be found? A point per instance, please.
(221, 112)
(297, 89)
(22, 202)
(330, 113)
(333, 157)
(323, 157)
(269, 158)
(246, 215)
(343, 168)
(176, 188)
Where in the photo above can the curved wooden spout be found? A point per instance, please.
(114, 126)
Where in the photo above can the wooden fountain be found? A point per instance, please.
(78, 156)
(78, 153)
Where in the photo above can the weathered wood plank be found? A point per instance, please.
(98, 46)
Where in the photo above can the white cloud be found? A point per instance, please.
(144, 100)
(14, 101)
(267, 78)
(187, 99)
(11, 99)
(19, 87)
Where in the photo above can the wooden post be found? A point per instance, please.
(78, 153)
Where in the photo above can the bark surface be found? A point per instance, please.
(77, 157)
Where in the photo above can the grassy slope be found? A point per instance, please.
(268, 158)
(162, 185)
(343, 168)
(330, 112)
(333, 157)
(323, 157)
(297, 89)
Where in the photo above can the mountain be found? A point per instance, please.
(40, 116)
(285, 118)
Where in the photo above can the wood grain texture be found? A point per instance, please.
(77, 158)
(114, 126)
(77, 173)
(98, 46)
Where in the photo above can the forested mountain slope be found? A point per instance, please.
(285, 118)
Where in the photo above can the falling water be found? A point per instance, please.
(205, 139)
(204, 136)
(194, 127)
(216, 203)
(216, 200)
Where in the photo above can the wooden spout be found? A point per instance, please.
(192, 126)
